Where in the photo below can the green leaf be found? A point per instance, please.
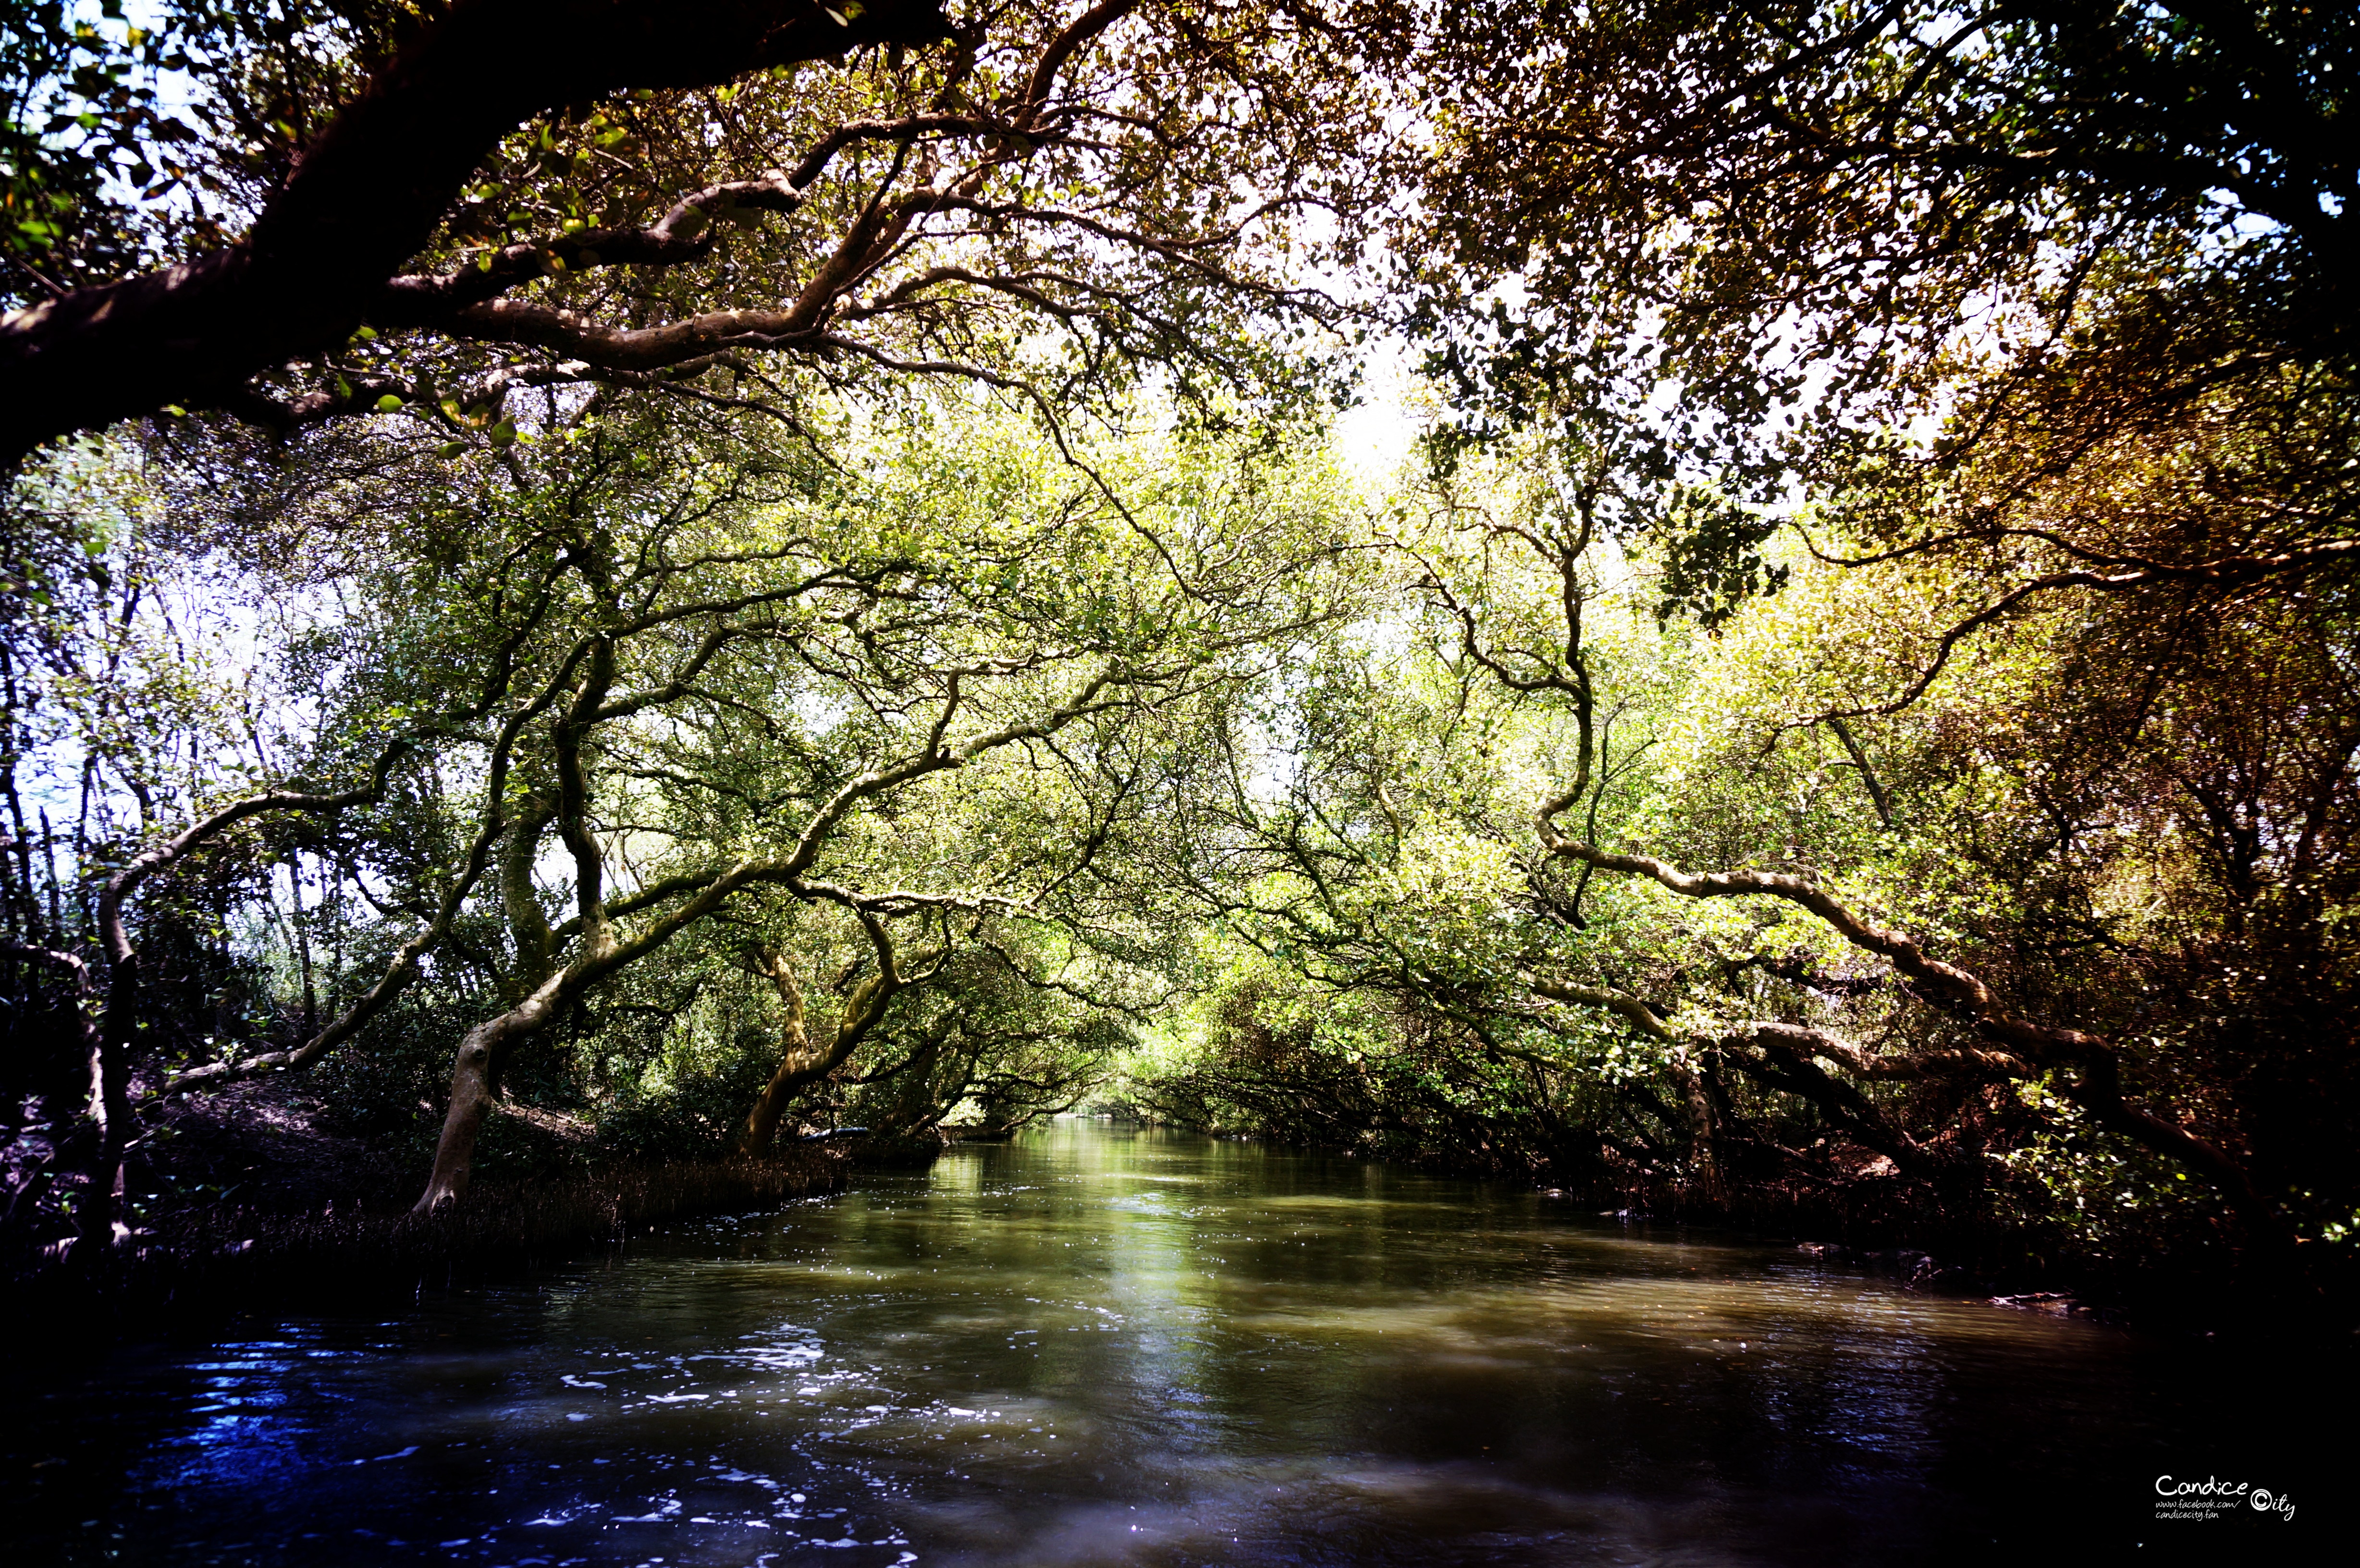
(388, 404)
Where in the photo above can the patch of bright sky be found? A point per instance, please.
(175, 91)
(1376, 437)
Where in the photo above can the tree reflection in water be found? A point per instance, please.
(1093, 1346)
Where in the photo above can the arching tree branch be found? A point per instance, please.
(370, 190)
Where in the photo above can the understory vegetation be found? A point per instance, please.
(805, 582)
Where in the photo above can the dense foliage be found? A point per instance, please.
(796, 579)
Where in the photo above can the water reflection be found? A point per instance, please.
(1094, 1347)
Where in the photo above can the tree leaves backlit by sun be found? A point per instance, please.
(695, 580)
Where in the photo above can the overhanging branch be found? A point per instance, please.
(371, 190)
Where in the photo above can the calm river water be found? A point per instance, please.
(1099, 1347)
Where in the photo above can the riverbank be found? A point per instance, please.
(232, 1255)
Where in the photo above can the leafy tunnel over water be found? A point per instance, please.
(1098, 1346)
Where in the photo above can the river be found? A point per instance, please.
(1099, 1346)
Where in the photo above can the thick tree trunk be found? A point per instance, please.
(799, 1063)
(797, 1071)
(100, 1212)
(473, 1089)
(1704, 1133)
(104, 1221)
(371, 190)
(475, 1086)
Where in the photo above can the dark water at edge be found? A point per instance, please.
(1101, 1347)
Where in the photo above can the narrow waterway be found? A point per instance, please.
(1096, 1345)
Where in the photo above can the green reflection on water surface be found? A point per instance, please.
(1101, 1346)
